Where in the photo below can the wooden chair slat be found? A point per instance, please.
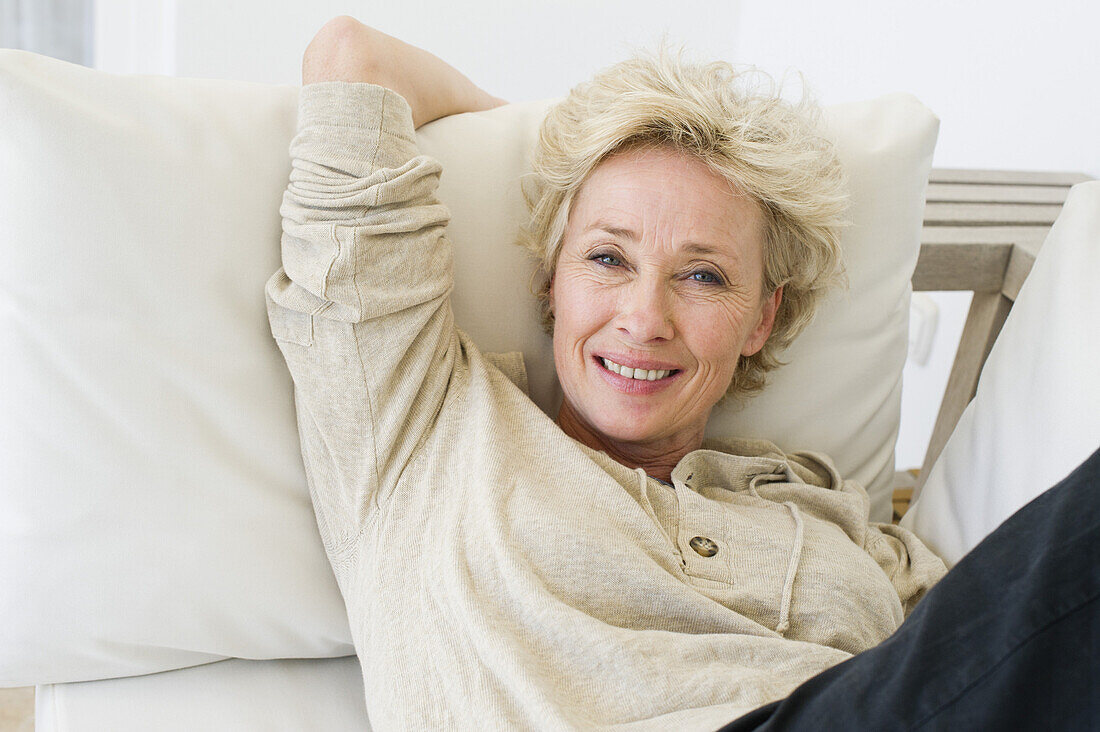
(983, 234)
(1006, 177)
(974, 193)
(989, 214)
(978, 266)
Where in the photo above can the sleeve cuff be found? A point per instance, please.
(355, 105)
(356, 128)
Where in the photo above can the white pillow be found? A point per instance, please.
(314, 695)
(1036, 414)
(153, 509)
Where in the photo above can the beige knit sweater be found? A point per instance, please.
(497, 574)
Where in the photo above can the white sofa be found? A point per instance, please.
(158, 557)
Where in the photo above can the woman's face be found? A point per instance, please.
(660, 276)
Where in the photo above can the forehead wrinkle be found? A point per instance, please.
(620, 211)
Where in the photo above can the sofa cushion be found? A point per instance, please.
(322, 694)
(154, 512)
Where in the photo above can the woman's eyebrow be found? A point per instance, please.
(619, 232)
(701, 248)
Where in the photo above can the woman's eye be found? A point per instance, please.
(607, 259)
(706, 277)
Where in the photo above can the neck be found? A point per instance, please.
(657, 458)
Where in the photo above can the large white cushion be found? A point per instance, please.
(152, 505)
(300, 695)
(153, 508)
(1036, 414)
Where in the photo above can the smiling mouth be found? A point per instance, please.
(637, 374)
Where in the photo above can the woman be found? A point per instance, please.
(501, 570)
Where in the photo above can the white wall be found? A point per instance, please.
(135, 36)
(519, 49)
(1012, 81)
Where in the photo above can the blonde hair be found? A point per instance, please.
(738, 124)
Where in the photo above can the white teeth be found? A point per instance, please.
(636, 374)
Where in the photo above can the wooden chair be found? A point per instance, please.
(982, 231)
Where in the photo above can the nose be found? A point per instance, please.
(644, 311)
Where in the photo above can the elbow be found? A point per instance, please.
(342, 50)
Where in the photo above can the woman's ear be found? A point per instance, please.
(763, 329)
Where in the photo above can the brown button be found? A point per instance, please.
(703, 546)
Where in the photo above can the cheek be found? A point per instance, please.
(716, 336)
(580, 306)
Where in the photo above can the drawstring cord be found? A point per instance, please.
(792, 564)
(792, 567)
(643, 489)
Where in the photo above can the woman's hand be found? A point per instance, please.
(346, 50)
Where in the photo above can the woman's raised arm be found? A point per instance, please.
(346, 50)
(361, 306)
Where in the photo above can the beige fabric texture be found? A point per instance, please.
(496, 573)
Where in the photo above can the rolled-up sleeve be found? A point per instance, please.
(360, 307)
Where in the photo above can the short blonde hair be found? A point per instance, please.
(739, 125)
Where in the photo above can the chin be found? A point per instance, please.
(628, 429)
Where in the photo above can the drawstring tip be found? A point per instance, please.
(782, 628)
